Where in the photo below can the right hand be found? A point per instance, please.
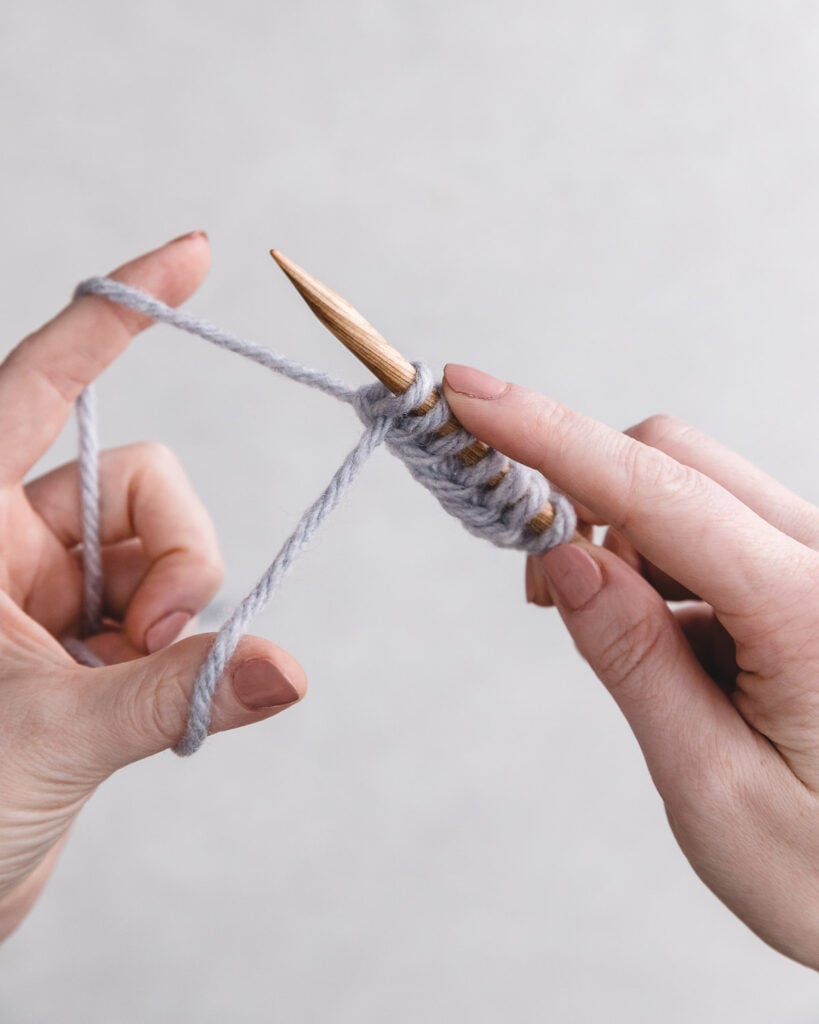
(723, 696)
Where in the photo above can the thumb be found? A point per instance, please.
(138, 708)
(632, 641)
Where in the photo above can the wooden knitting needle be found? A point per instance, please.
(379, 356)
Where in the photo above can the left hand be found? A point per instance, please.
(65, 728)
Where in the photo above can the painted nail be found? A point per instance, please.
(530, 582)
(473, 383)
(165, 630)
(189, 235)
(537, 584)
(575, 577)
(259, 683)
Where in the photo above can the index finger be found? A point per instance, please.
(681, 520)
(44, 374)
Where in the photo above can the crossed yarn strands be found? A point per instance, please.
(499, 513)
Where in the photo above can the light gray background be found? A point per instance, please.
(614, 202)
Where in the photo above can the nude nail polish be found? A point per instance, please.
(575, 577)
(466, 380)
(259, 683)
(188, 235)
(165, 630)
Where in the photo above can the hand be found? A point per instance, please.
(65, 728)
(723, 695)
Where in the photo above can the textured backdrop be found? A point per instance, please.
(614, 202)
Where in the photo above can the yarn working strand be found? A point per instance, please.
(500, 513)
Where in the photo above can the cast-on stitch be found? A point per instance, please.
(499, 513)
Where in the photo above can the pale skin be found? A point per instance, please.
(723, 695)
(65, 728)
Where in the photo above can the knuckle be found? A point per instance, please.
(627, 656)
(208, 567)
(64, 381)
(659, 429)
(164, 699)
(141, 461)
(154, 455)
(544, 419)
(201, 562)
(778, 629)
(65, 377)
(649, 476)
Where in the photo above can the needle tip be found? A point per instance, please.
(294, 272)
(350, 327)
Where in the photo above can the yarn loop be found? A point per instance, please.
(499, 512)
(495, 498)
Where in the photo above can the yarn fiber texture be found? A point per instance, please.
(499, 513)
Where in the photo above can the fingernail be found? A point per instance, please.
(259, 683)
(165, 630)
(473, 383)
(573, 574)
(189, 235)
(537, 586)
(530, 582)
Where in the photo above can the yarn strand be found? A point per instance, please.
(90, 504)
(499, 512)
(231, 633)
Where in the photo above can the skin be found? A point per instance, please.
(65, 728)
(723, 693)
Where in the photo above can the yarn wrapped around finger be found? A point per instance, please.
(494, 499)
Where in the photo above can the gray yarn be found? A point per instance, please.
(141, 302)
(90, 504)
(82, 652)
(498, 513)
